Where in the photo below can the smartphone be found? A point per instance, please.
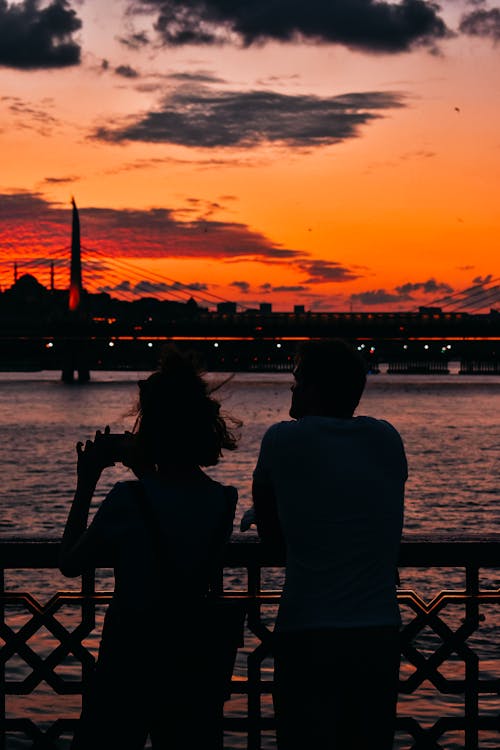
(113, 444)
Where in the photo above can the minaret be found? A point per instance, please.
(75, 285)
(52, 286)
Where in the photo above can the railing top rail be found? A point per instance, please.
(424, 550)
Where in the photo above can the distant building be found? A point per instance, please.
(265, 308)
(226, 308)
(299, 309)
(429, 310)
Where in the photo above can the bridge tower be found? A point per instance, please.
(75, 284)
(75, 356)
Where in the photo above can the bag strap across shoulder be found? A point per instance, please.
(163, 560)
(143, 502)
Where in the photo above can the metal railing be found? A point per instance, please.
(440, 632)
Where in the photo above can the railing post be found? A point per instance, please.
(2, 691)
(88, 623)
(217, 588)
(471, 698)
(254, 665)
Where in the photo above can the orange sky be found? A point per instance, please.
(354, 167)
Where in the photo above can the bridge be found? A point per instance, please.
(255, 343)
(76, 331)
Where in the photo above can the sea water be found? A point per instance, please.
(449, 425)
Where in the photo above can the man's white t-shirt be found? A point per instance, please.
(339, 489)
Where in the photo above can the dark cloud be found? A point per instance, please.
(409, 292)
(283, 79)
(482, 279)
(482, 293)
(135, 40)
(243, 286)
(195, 77)
(378, 297)
(32, 116)
(153, 287)
(483, 22)
(27, 221)
(326, 271)
(368, 25)
(59, 180)
(33, 37)
(125, 71)
(201, 165)
(402, 293)
(20, 205)
(200, 208)
(267, 288)
(297, 288)
(200, 116)
(431, 286)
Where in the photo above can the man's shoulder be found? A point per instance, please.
(387, 439)
(377, 425)
(280, 427)
(276, 435)
(306, 428)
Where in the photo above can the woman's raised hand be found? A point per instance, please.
(92, 458)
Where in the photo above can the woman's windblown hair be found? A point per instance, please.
(178, 420)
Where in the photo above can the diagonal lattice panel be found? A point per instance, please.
(441, 640)
(44, 616)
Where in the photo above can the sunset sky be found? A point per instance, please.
(340, 154)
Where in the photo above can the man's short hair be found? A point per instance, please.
(335, 369)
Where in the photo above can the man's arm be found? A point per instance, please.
(266, 515)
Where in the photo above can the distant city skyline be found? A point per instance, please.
(467, 301)
(339, 155)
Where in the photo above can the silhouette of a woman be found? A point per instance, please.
(164, 534)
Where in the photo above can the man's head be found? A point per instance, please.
(330, 377)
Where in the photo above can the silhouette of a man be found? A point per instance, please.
(329, 487)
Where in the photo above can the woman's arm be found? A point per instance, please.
(77, 545)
